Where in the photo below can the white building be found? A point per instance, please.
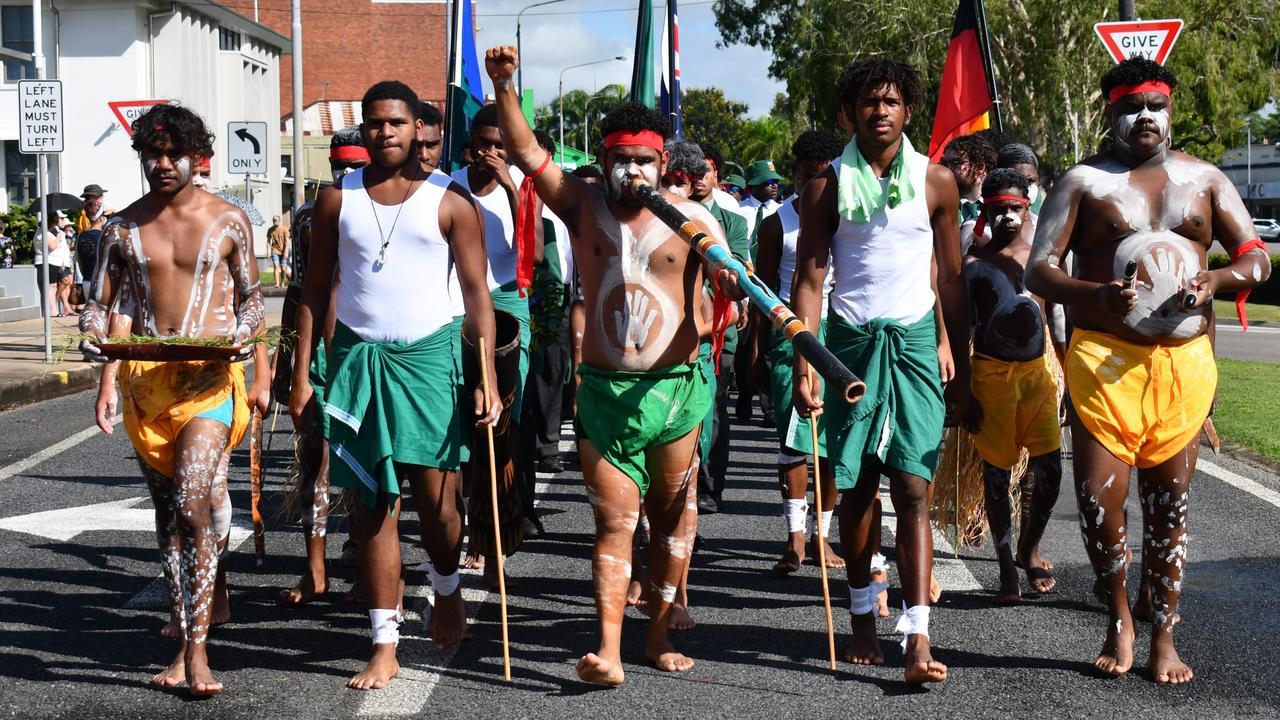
(213, 60)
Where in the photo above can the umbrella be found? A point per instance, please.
(56, 202)
(255, 217)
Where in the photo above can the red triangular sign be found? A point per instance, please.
(1152, 39)
(126, 111)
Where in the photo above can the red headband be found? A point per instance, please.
(1005, 198)
(349, 153)
(644, 138)
(677, 176)
(1120, 91)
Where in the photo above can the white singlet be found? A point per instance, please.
(882, 267)
(407, 298)
(790, 219)
(499, 227)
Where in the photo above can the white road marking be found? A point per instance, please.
(1263, 329)
(1239, 482)
(25, 464)
(66, 523)
(952, 574)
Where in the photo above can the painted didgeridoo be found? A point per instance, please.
(766, 301)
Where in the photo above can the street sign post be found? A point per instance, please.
(247, 148)
(39, 116)
(126, 111)
(1151, 39)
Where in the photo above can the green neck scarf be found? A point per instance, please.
(858, 191)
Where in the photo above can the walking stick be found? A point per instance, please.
(275, 415)
(822, 541)
(497, 529)
(255, 478)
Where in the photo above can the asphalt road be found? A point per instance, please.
(79, 611)
(1259, 342)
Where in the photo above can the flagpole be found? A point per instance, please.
(452, 75)
(991, 68)
(672, 88)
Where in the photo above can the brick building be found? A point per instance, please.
(348, 45)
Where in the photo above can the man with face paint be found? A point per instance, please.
(882, 217)
(642, 396)
(969, 158)
(179, 262)
(1139, 220)
(813, 152)
(1014, 400)
(387, 233)
(311, 453)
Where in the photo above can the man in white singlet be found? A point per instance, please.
(881, 216)
(389, 228)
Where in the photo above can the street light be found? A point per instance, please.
(519, 51)
(562, 72)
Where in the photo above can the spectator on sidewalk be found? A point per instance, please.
(59, 290)
(94, 214)
(6, 247)
(278, 237)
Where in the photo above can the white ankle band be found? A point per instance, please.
(914, 621)
(825, 522)
(879, 564)
(386, 626)
(443, 584)
(796, 513)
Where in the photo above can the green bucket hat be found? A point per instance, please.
(735, 180)
(760, 172)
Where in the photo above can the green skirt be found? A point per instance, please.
(793, 431)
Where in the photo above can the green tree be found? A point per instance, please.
(1047, 62)
(582, 113)
(711, 117)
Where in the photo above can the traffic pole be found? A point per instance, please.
(1126, 10)
(299, 162)
(42, 186)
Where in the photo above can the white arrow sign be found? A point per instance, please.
(247, 148)
(63, 525)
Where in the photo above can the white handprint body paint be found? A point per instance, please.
(638, 317)
(1166, 264)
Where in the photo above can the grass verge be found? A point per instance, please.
(1226, 310)
(1249, 405)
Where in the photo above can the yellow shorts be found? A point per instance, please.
(1019, 408)
(1143, 403)
(160, 398)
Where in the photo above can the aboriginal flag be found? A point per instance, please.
(964, 97)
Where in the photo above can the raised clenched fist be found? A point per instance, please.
(501, 63)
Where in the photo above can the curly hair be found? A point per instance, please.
(545, 141)
(390, 90)
(486, 116)
(1135, 71)
(347, 136)
(429, 114)
(179, 131)
(686, 157)
(975, 149)
(873, 73)
(634, 117)
(1005, 179)
(817, 145)
(714, 156)
(1016, 154)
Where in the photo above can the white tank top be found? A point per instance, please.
(407, 298)
(790, 219)
(499, 227)
(882, 267)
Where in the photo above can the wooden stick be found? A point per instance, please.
(497, 528)
(255, 479)
(275, 415)
(822, 541)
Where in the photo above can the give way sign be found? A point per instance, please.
(1151, 39)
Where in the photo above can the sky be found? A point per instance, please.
(580, 31)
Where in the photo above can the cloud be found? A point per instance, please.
(577, 33)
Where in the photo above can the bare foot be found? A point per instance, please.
(594, 669)
(356, 595)
(473, 561)
(448, 620)
(172, 675)
(935, 590)
(665, 657)
(882, 600)
(834, 561)
(1038, 573)
(1165, 665)
(307, 589)
(921, 667)
(200, 678)
(1117, 652)
(864, 646)
(1036, 560)
(172, 629)
(382, 668)
(1010, 589)
(680, 619)
(792, 557)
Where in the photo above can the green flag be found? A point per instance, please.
(643, 79)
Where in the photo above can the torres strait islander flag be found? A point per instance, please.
(964, 99)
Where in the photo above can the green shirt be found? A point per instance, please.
(735, 232)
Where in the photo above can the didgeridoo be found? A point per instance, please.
(793, 328)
